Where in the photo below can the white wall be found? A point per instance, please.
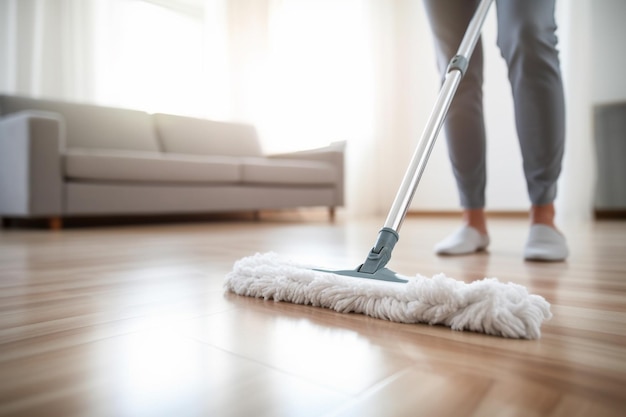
(607, 52)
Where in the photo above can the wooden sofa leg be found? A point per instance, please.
(55, 223)
(331, 214)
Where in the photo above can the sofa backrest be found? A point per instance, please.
(179, 134)
(93, 127)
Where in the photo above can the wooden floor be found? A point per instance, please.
(133, 321)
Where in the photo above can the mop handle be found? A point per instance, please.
(456, 70)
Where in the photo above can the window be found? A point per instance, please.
(150, 57)
(299, 70)
(317, 83)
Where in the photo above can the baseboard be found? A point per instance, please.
(457, 213)
(123, 220)
(303, 214)
(600, 214)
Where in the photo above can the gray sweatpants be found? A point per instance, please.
(527, 42)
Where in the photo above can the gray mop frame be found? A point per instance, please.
(380, 254)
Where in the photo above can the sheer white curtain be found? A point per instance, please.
(46, 48)
(149, 56)
(314, 84)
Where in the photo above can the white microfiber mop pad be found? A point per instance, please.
(487, 306)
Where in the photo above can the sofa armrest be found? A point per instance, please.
(31, 180)
(333, 154)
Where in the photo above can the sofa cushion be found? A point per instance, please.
(89, 126)
(149, 167)
(181, 134)
(287, 172)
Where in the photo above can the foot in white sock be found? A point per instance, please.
(545, 244)
(463, 241)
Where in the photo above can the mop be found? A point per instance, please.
(486, 306)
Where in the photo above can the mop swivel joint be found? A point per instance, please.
(381, 252)
(458, 63)
(374, 266)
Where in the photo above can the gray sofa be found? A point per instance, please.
(61, 160)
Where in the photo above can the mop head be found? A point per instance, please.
(486, 306)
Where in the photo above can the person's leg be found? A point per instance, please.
(527, 41)
(464, 126)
